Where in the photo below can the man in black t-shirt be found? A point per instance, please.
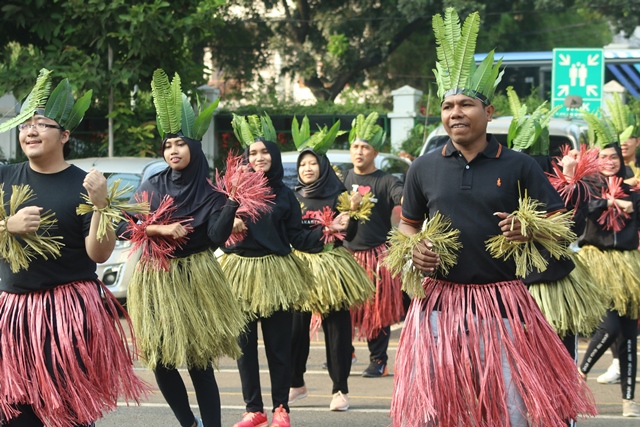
(374, 319)
(475, 349)
(64, 358)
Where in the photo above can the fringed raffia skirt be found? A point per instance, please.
(574, 304)
(448, 369)
(339, 281)
(267, 284)
(186, 316)
(386, 307)
(618, 273)
(64, 352)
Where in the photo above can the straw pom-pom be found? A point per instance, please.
(446, 244)
(614, 217)
(576, 189)
(250, 189)
(364, 209)
(113, 213)
(19, 252)
(552, 232)
(156, 250)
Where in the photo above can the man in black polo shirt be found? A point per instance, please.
(491, 358)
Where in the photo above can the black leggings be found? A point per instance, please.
(28, 418)
(337, 335)
(610, 328)
(175, 393)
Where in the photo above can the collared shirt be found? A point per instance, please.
(469, 194)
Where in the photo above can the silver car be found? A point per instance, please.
(117, 270)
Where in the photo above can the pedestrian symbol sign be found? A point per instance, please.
(577, 72)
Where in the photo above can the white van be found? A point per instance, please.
(561, 132)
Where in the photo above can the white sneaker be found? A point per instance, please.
(612, 376)
(630, 408)
(297, 393)
(199, 422)
(340, 402)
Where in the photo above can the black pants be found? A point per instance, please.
(337, 334)
(27, 418)
(378, 346)
(276, 332)
(610, 328)
(175, 393)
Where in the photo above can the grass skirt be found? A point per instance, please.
(186, 316)
(574, 304)
(451, 382)
(618, 273)
(339, 281)
(64, 352)
(386, 307)
(267, 284)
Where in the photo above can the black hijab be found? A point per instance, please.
(192, 194)
(276, 171)
(327, 185)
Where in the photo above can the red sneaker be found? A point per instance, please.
(253, 419)
(280, 418)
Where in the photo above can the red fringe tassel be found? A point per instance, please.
(445, 379)
(575, 189)
(64, 352)
(614, 217)
(386, 307)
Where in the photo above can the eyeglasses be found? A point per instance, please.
(40, 127)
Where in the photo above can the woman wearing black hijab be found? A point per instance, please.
(181, 306)
(611, 253)
(339, 281)
(268, 279)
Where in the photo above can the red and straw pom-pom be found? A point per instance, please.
(575, 189)
(250, 189)
(156, 250)
(614, 217)
(324, 219)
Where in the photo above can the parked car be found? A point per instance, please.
(390, 163)
(117, 270)
(561, 132)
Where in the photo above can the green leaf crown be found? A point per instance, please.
(456, 71)
(529, 132)
(602, 131)
(623, 119)
(319, 142)
(368, 131)
(58, 105)
(175, 115)
(249, 129)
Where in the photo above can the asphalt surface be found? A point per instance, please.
(370, 398)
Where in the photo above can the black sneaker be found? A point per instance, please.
(376, 369)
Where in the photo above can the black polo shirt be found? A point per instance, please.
(469, 194)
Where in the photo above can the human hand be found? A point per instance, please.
(238, 225)
(339, 223)
(424, 259)
(569, 164)
(511, 227)
(175, 230)
(96, 185)
(356, 199)
(625, 205)
(26, 220)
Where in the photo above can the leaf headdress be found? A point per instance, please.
(602, 132)
(319, 142)
(58, 105)
(456, 72)
(175, 115)
(367, 130)
(622, 118)
(253, 128)
(529, 132)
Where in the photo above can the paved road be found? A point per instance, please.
(370, 398)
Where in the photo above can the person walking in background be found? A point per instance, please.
(339, 282)
(374, 319)
(64, 358)
(267, 279)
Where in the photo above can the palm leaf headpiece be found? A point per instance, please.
(367, 130)
(253, 128)
(319, 142)
(529, 132)
(622, 118)
(58, 105)
(456, 72)
(602, 132)
(175, 115)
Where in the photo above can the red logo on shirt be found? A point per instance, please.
(499, 183)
